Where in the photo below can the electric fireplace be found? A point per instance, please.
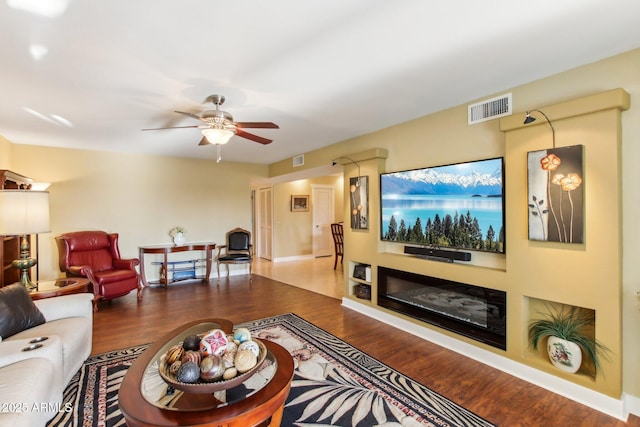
(472, 311)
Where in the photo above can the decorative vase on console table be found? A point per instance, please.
(179, 239)
(177, 233)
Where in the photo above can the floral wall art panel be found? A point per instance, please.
(555, 194)
(359, 205)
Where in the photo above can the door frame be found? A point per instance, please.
(332, 210)
(259, 217)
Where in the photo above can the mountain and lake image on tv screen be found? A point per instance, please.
(458, 206)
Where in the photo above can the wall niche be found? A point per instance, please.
(549, 311)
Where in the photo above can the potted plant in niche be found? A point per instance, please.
(567, 341)
(178, 234)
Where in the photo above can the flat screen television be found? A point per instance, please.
(458, 206)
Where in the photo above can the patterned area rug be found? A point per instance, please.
(334, 384)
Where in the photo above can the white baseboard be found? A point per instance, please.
(293, 258)
(598, 401)
(632, 404)
(242, 270)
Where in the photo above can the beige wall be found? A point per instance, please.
(5, 153)
(140, 197)
(593, 273)
(292, 231)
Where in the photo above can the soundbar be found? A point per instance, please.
(438, 253)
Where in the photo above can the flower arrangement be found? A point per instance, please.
(176, 230)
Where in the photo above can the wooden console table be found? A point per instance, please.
(165, 250)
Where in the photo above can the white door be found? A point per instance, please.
(322, 212)
(264, 215)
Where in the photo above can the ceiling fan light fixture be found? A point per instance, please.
(217, 136)
(217, 126)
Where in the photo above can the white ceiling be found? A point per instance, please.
(323, 70)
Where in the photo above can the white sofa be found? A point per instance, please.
(32, 382)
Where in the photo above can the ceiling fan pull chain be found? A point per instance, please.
(219, 151)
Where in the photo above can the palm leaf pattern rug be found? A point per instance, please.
(334, 384)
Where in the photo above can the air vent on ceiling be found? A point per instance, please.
(298, 160)
(490, 109)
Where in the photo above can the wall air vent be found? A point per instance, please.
(490, 109)
(298, 160)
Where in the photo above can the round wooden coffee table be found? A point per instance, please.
(58, 287)
(145, 400)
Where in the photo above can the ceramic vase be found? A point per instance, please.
(179, 239)
(564, 355)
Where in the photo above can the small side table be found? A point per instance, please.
(58, 287)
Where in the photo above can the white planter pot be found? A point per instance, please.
(179, 239)
(564, 355)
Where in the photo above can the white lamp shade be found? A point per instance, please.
(217, 136)
(24, 212)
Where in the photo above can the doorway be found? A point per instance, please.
(323, 211)
(264, 223)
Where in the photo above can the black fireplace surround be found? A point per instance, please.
(472, 311)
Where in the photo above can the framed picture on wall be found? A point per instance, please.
(556, 195)
(359, 203)
(300, 203)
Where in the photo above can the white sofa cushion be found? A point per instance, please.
(26, 397)
(76, 305)
(12, 351)
(70, 318)
(38, 377)
(75, 335)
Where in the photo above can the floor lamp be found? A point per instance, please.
(24, 212)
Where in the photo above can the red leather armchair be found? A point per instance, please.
(96, 256)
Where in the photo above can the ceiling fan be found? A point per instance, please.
(219, 126)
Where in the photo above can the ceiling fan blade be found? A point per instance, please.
(262, 125)
(204, 141)
(193, 116)
(256, 138)
(175, 127)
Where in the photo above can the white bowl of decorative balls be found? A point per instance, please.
(212, 362)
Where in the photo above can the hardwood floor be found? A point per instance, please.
(490, 393)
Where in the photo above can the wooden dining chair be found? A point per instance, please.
(238, 249)
(337, 231)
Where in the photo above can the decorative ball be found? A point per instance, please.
(192, 356)
(188, 373)
(242, 334)
(211, 368)
(232, 347)
(174, 353)
(229, 373)
(175, 366)
(245, 360)
(213, 343)
(192, 342)
(252, 346)
(228, 358)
